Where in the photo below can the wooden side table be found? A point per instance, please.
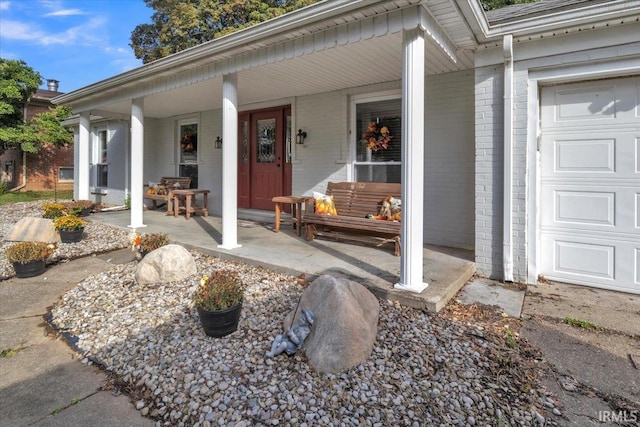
(296, 211)
(190, 206)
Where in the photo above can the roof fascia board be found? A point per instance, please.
(574, 17)
(283, 24)
(430, 26)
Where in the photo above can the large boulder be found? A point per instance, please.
(166, 264)
(30, 229)
(345, 326)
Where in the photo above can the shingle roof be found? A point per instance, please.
(540, 8)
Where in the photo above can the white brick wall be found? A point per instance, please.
(489, 168)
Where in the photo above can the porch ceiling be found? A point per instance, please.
(375, 60)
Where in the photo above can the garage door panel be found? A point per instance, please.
(584, 259)
(636, 266)
(614, 155)
(585, 207)
(603, 263)
(591, 208)
(637, 211)
(585, 155)
(585, 103)
(591, 103)
(637, 150)
(590, 183)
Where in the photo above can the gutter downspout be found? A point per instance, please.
(507, 214)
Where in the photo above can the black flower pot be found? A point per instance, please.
(71, 236)
(29, 269)
(219, 323)
(85, 212)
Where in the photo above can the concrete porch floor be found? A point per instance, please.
(446, 270)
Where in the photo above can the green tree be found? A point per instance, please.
(497, 4)
(18, 82)
(180, 24)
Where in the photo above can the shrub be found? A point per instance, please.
(25, 252)
(68, 223)
(222, 290)
(54, 210)
(76, 207)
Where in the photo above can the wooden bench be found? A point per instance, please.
(163, 191)
(353, 202)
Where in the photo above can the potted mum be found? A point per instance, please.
(70, 228)
(29, 258)
(147, 242)
(218, 301)
(53, 210)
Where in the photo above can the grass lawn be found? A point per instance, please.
(29, 196)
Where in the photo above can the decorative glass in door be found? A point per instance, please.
(266, 141)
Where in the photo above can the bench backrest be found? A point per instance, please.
(357, 199)
(170, 181)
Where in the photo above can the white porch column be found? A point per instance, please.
(83, 156)
(137, 161)
(411, 270)
(229, 162)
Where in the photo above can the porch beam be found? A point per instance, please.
(437, 34)
(229, 162)
(413, 68)
(137, 162)
(83, 155)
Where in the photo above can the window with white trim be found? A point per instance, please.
(188, 149)
(102, 165)
(65, 174)
(378, 140)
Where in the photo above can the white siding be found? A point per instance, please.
(449, 160)
(323, 156)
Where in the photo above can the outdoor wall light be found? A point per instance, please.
(218, 143)
(300, 136)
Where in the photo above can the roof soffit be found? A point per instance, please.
(212, 60)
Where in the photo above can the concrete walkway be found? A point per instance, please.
(41, 381)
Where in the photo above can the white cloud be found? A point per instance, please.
(65, 12)
(16, 30)
(4, 5)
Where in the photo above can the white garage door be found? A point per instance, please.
(590, 183)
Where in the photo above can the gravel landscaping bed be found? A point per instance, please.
(462, 367)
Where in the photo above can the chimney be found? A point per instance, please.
(52, 85)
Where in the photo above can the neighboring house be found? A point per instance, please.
(49, 169)
(516, 133)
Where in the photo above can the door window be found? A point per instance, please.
(188, 149)
(266, 141)
(102, 167)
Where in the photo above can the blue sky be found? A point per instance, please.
(78, 42)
